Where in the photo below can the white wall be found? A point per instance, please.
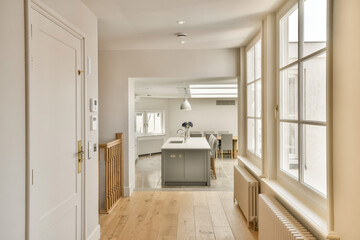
(12, 108)
(116, 102)
(205, 115)
(155, 104)
(346, 118)
(12, 120)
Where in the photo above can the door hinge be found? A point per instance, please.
(31, 31)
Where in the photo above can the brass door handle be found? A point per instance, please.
(81, 156)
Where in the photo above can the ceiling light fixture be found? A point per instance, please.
(182, 42)
(213, 90)
(185, 106)
(181, 22)
(181, 35)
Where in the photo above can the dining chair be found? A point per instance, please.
(207, 136)
(226, 144)
(222, 132)
(195, 134)
(213, 142)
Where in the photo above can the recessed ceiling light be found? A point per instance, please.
(181, 35)
(181, 22)
(182, 42)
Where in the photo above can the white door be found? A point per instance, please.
(55, 127)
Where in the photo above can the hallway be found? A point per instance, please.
(176, 215)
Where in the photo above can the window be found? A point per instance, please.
(302, 94)
(254, 122)
(149, 123)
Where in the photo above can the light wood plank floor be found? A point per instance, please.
(176, 215)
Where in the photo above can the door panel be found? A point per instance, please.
(55, 126)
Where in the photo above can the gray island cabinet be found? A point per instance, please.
(185, 163)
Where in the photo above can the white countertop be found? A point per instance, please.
(191, 143)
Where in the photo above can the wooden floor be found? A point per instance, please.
(176, 215)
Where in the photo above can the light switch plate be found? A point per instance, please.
(93, 122)
(94, 104)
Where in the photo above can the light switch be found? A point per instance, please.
(94, 104)
(93, 123)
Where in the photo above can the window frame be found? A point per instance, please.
(252, 156)
(145, 120)
(299, 183)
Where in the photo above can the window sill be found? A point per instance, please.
(151, 136)
(313, 218)
(251, 166)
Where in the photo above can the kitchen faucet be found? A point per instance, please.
(183, 133)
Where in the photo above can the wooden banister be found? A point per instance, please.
(114, 164)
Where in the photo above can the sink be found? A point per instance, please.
(176, 141)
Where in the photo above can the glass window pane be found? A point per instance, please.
(289, 157)
(251, 135)
(250, 65)
(154, 123)
(258, 98)
(314, 26)
(150, 122)
(139, 123)
(258, 60)
(289, 37)
(251, 100)
(289, 93)
(314, 89)
(158, 123)
(314, 156)
(258, 138)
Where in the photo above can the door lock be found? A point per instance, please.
(81, 155)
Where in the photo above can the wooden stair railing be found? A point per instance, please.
(113, 157)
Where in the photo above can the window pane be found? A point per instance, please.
(251, 100)
(139, 123)
(158, 123)
(154, 123)
(314, 156)
(251, 135)
(258, 60)
(314, 25)
(314, 89)
(258, 98)
(289, 37)
(289, 93)
(250, 65)
(289, 160)
(258, 138)
(150, 122)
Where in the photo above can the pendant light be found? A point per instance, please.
(185, 106)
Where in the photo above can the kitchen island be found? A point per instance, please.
(185, 163)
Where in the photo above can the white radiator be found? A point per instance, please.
(246, 189)
(276, 223)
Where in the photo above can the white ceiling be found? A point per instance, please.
(172, 87)
(152, 24)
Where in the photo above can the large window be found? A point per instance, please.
(254, 132)
(149, 123)
(302, 94)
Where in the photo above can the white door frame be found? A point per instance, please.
(49, 13)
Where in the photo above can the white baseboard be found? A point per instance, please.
(95, 235)
(128, 191)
